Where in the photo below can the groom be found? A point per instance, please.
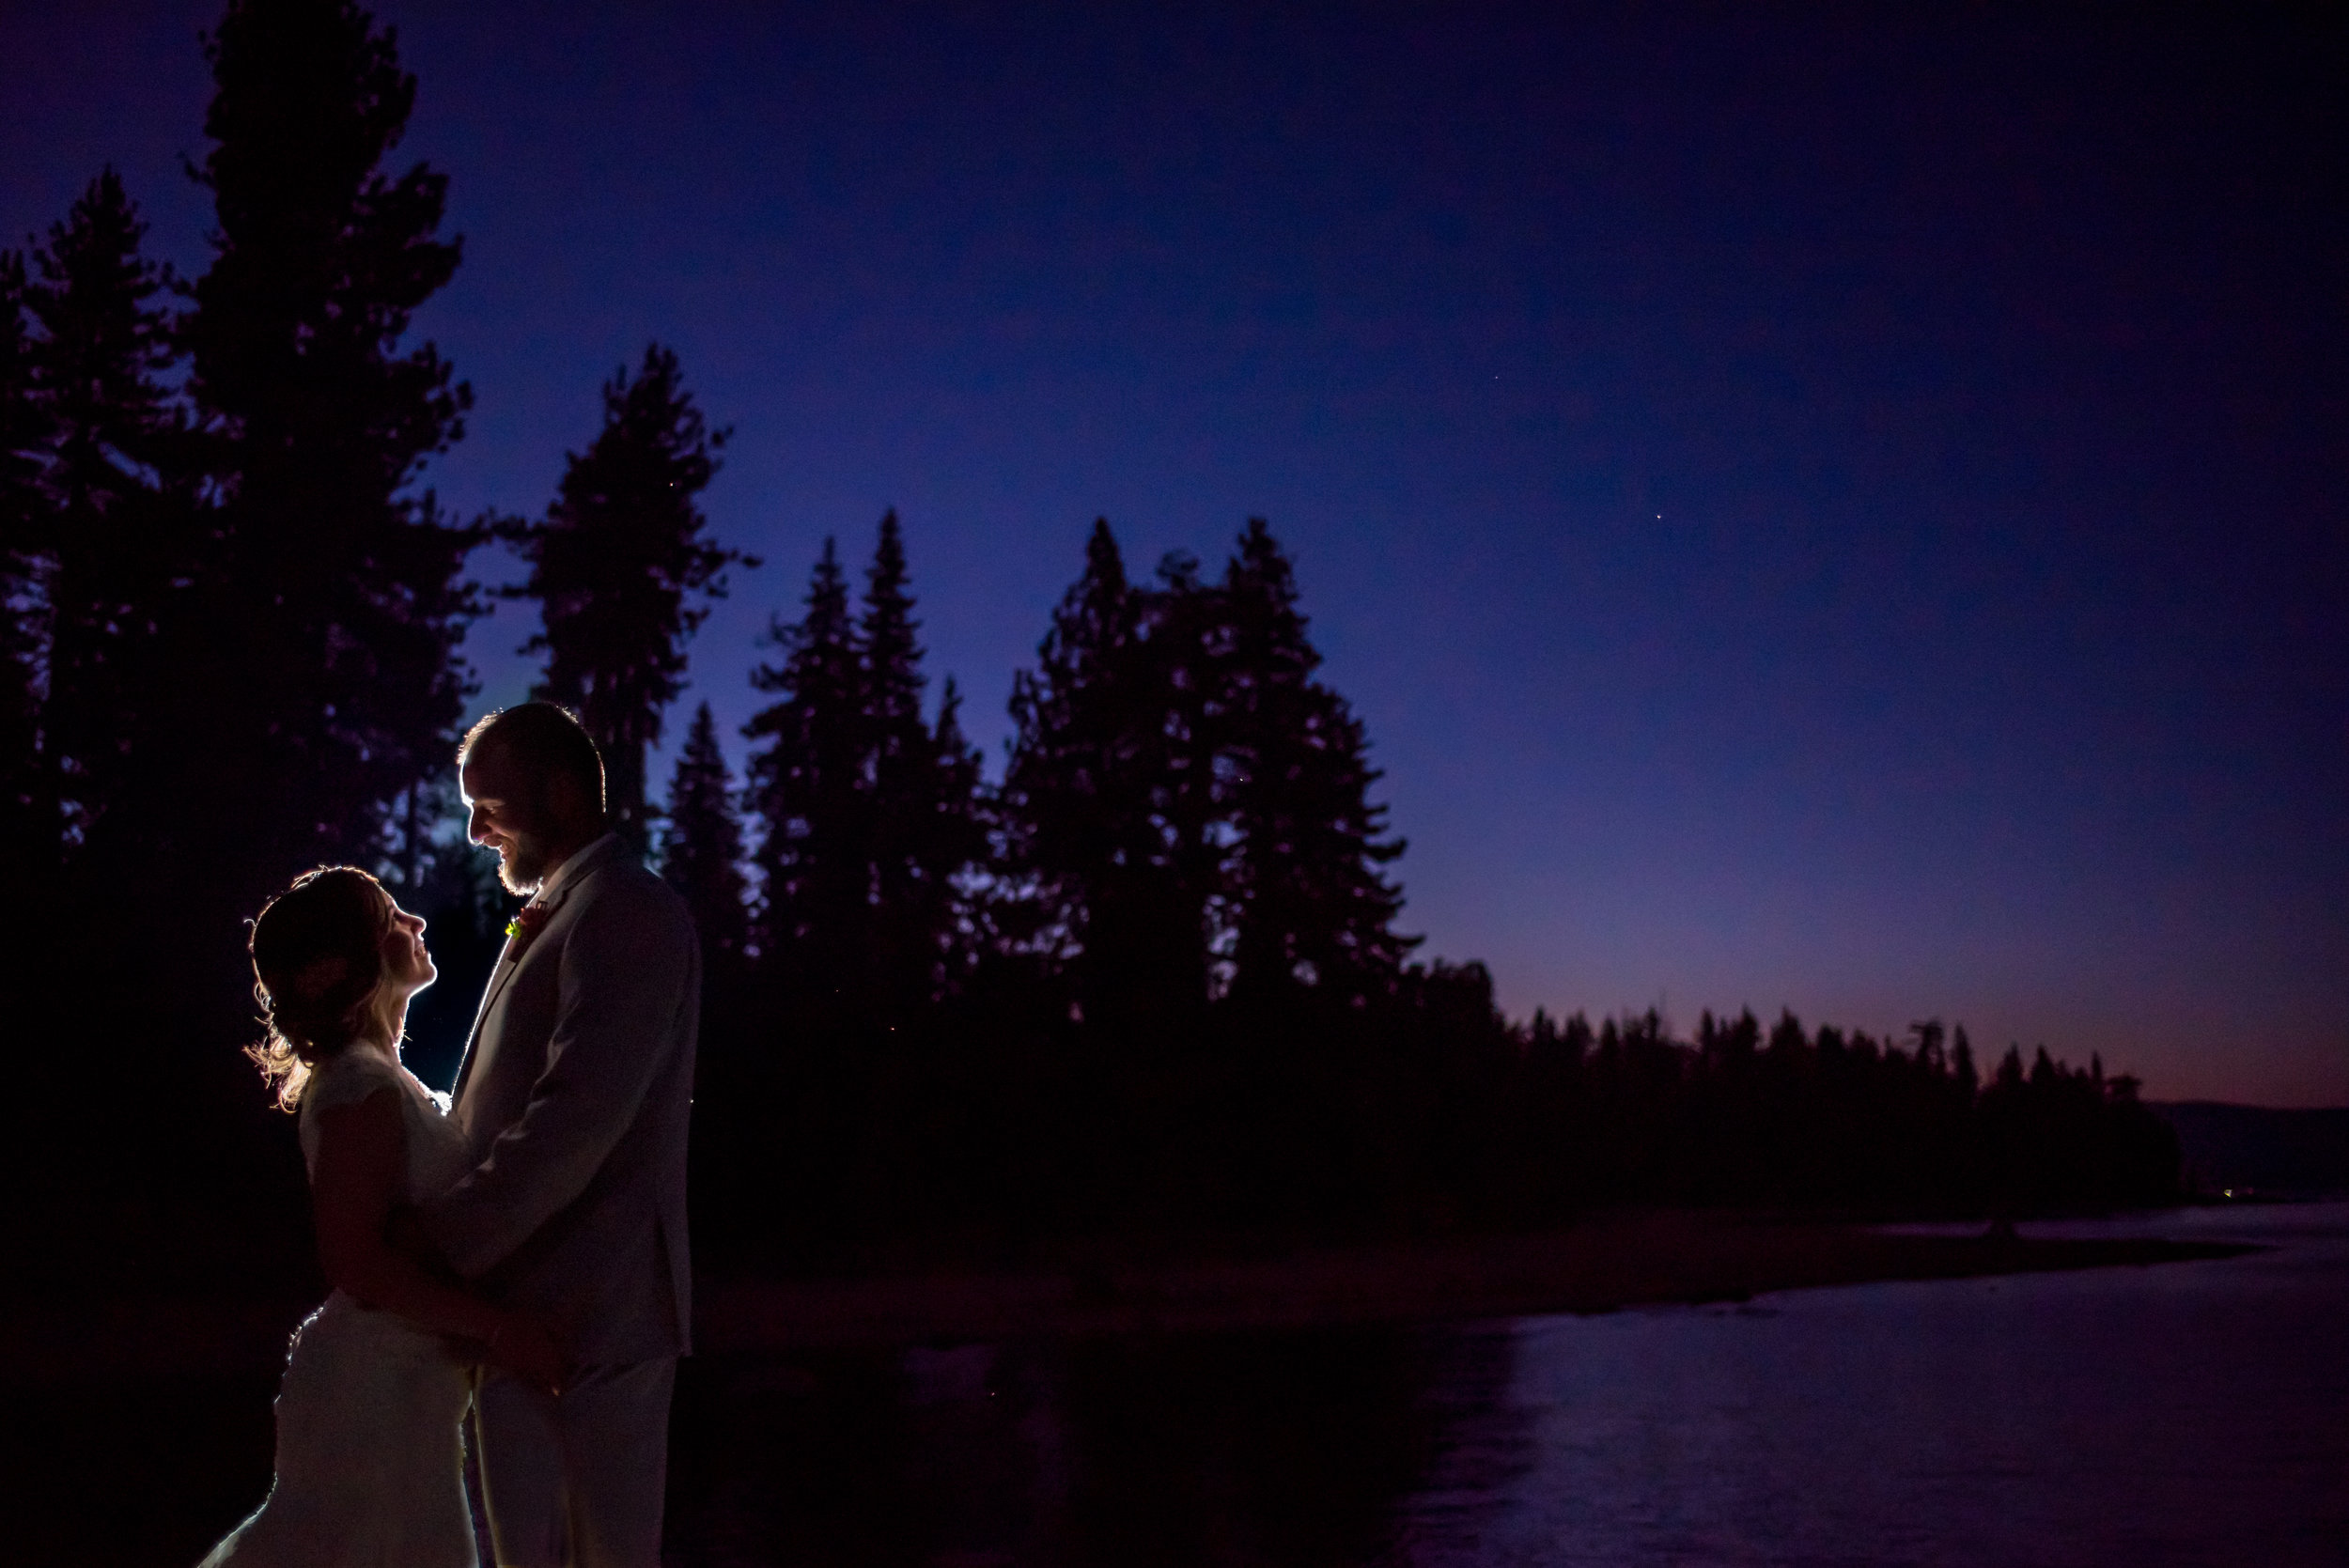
(574, 1094)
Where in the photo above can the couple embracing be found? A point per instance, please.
(518, 1257)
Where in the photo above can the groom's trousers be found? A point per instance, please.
(575, 1481)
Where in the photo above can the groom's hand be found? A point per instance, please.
(525, 1344)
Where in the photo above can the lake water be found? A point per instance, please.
(2184, 1414)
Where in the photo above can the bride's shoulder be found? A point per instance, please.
(347, 1076)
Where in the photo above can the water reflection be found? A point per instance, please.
(1275, 1448)
(2190, 1413)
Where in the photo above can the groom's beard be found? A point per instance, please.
(523, 865)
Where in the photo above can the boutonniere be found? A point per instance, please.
(523, 926)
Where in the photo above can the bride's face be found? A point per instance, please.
(406, 967)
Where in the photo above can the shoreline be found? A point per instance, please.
(1608, 1263)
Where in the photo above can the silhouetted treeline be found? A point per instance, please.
(1151, 978)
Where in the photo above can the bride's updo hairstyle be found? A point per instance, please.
(318, 955)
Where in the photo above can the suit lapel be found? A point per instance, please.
(510, 959)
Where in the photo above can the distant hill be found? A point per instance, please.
(2242, 1146)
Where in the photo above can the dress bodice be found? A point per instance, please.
(370, 1466)
(437, 1154)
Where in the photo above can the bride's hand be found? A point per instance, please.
(526, 1346)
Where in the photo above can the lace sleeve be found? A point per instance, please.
(347, 1077)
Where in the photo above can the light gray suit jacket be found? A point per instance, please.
(575, 1092)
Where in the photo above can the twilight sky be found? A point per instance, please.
(1838, 509)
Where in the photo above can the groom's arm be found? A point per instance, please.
(626, 965)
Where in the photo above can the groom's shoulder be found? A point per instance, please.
(625, 882)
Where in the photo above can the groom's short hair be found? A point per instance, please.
(546, 741)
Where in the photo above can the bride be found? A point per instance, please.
(369, 1456)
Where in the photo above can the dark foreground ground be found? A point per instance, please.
(138, 1432)
(1605, 1264)
(1601, 1266)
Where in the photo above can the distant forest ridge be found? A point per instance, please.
(2258, 1151)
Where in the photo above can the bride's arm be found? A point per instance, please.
(360, 1157)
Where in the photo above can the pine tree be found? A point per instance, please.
(324, 680)
(1107, 837)
(1179, 911)
(954, 838)
(27, 841)
(892, 657)
(806, 788)
(701, 853)
(613, 565)
(1311, 904)
(920, 783)
(1069, 791)
(122, 526)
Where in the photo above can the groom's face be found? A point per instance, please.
(506, 813)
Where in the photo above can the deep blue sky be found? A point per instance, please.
(1836, 509)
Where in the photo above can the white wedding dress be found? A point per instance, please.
(371, 1465)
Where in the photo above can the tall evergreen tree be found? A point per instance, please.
(920, 783)
(325, 679)
(1185, 904)
(122, 520)
(1107, 831)
(1311, 903)
(700, 852)
(805, 786)
(891, 657)
(956, 838)
(26, 841)
(1069, 791)
(615, 566)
